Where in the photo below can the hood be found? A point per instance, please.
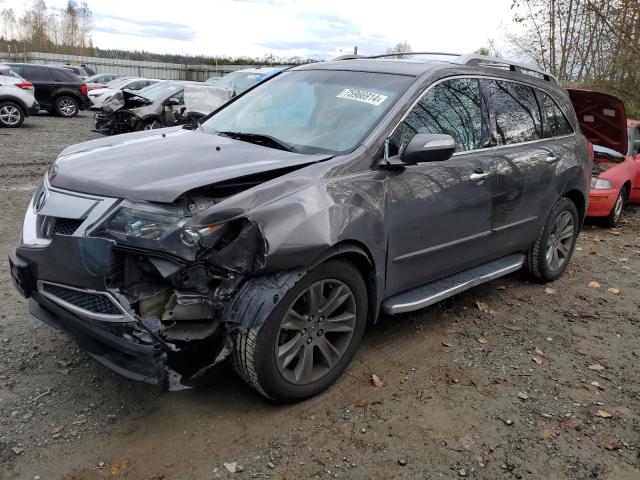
(602, 118)
(160, 165)
(100, 91)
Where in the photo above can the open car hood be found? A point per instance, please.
(160, 165)
(602, 118)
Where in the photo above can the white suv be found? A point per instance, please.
(16, 98)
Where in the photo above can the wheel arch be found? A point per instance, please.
(577, 197)
(17, 101)
(357, 253)
(627, 186)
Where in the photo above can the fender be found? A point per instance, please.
(21, 104)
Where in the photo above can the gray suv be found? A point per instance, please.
(295, 214)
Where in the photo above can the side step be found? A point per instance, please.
(437, 291)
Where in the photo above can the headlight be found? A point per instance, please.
(600, 184)
(158, 228)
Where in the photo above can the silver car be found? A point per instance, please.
(16, 98)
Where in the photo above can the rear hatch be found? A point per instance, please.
(602, 118)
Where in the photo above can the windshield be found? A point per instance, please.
(162, 91)
(239, 81)
(313, 110)
(118, 83)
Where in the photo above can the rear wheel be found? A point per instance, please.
(144, 125)
(309, 338)
(550, 254)
(66, 106)
(11, 115)
(612, 220)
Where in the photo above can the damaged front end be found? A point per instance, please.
(141, 287)
(118, 114)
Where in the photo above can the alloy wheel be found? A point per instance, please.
(10, 115)
(315, 332)
(67, 107)
(560, 241)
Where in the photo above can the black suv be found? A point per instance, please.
(295, 214)
(57, 89)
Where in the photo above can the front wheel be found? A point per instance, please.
(309, 338)
(612, 220)
(550, 254)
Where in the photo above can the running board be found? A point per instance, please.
(437, 291)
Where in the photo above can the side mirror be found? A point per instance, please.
(429, 147)
(171, 101)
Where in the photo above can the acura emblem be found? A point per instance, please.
(40, 201)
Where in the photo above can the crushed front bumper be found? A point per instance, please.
(113, 344)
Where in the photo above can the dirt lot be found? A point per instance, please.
(510, 380)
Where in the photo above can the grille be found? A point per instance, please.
(65, 226)
(92, 302)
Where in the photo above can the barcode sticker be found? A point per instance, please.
(365, 96)
(607, 112)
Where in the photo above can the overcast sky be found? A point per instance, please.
(309, 28)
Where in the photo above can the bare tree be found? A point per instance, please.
(401, 47)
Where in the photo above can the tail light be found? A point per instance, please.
(83, 89)
(25, 85)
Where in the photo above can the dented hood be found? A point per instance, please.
(602, 118)
(160, 165)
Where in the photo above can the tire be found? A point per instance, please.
(539, 264)
(612, 220)
(144, 125)
(11, 115)
(66, 106)
(258, 354)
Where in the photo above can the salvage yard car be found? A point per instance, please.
(57, 89)
(616, 172)
(16, 98)
(100, 95)
(133, 111)
(298, 212)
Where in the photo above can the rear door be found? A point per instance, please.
(43, 83)
(525, 163)
(439, 213)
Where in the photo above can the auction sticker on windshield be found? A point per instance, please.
(362, 96)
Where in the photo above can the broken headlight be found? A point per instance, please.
(157, 227)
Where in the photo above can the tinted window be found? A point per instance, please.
(36, 74)
(516, 111)
(555, 123)
(61, 76)
(454, 108)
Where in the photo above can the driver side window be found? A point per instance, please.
(453, 107)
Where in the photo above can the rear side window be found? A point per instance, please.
(516, 112)
(36, 74)
(453, 107)
(555, 123)
(61, 76)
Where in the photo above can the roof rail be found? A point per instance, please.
(407, 54)
(467, 59)
(485, 61)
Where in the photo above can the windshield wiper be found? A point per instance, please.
(259, 139)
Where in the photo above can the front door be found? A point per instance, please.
(439, 213)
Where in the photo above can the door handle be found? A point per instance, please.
(551, 158)
(479, 175)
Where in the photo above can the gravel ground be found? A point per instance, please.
(509, 380)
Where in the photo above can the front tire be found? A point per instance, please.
(66, 106)
(11, 115)
(309, 338)
(612, 220)
(550, 254)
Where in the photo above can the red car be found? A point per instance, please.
(616, 167)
